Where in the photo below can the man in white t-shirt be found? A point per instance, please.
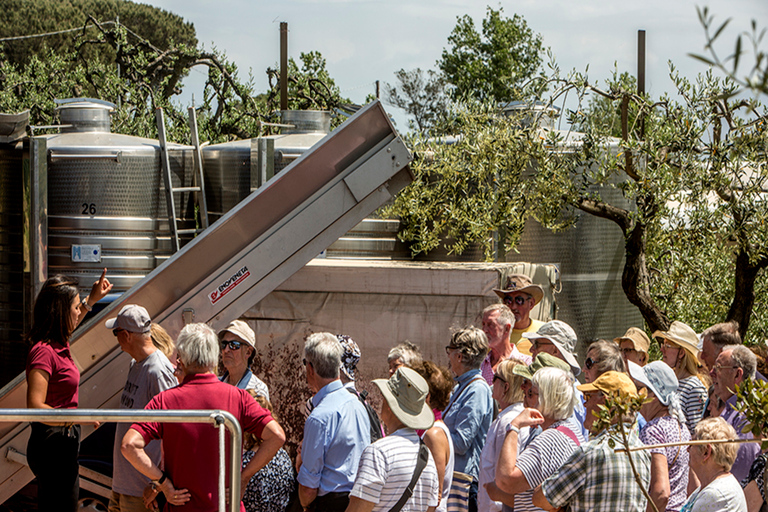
(387, 466)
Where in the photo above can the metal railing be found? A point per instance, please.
(221, 419)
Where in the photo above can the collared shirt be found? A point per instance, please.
(597, 479)
(335, 435)
(468, 416)
(748, 452)
(487, 368)
(249, 381)
(64, 377)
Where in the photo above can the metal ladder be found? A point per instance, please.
(198, 176)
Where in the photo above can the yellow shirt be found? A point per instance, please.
(523, 344)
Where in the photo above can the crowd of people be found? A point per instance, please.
(505, 425)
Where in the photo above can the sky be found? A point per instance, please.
(368, 40)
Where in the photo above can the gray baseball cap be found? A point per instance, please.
(132, 318)
(563, 337)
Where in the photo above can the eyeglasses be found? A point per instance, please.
(517, 299)
(232, 344)
(589, 363)
(535, 344)
(719, 367)
(449, 349)
(115, 332)
(496, 377)
(668, 345)
(628, 350)
(304, 361)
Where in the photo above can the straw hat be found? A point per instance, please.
(406, 394)
(683, 336)
(637, 337)
(520, 283)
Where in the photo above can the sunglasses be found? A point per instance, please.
(115, 332)
(589, 363)
(517, 299)
(535, 344)
(232, 344)
(496, 377)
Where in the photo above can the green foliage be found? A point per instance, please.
(753, 403)
(492, 66)
(604, 110)
(29, 17)
(310, 87)
(467, 187)
(756, 76)
(421, 95)
(618, 409)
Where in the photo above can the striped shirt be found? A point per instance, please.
(386, 468)
(597, 479)
(693, 396)
(543, 456)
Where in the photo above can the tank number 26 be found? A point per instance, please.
(89, 209)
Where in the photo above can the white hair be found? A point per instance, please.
(198, 346)
(557, 398)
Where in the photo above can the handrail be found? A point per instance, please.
(215, 417)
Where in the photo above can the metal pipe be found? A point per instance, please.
(641, 62)
(283, 65)
(215, 418)
(84, 156)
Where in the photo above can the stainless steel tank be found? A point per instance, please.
(232, 169)
(106, 198)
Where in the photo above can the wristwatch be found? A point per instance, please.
(84, 302)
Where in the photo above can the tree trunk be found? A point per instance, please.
(744, 291)
(636, 282)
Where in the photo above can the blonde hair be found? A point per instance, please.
(712, 429)
(162, 340)
(250, 440)
(514, 392)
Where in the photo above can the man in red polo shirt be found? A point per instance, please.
(191, 450)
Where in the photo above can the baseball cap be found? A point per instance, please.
(242, 330)
(132, 318)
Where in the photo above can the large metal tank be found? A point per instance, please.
(233, 170)
(106, 198)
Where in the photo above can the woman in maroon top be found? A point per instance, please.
(52, 383)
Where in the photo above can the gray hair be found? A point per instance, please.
(716, 429)
(198, 347)
(472, 344)
(742, 357)
(726, 333)
(608, 355)
(557, 397)
(506, 317)
(324, 351)
(407, 352)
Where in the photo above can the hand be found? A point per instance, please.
(100, 288)
(174, 496)
(96, 424)
(528, 418)
(149, 496)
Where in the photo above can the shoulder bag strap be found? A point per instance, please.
(453, 401)
(568, 432)
(421, 463)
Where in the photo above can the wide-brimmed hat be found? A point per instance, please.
(350, 357)
(520, 283)
(242, 330)
(406, 394)
(132, 318)
(611, 383)
(658, 377)
(682, 335)
(563, 337)
(637, 337)
(542, 360)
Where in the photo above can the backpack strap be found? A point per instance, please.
(568, 432)
(421, 463)
(454, 399)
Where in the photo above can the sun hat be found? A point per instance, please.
(658, 377)
(132, 318)
(350, 357)
(242, 330)
(406, 394)
(611, 383)
(563, 337)
(682, 335)
(637, 337)
(520, 283)
(542, 360)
